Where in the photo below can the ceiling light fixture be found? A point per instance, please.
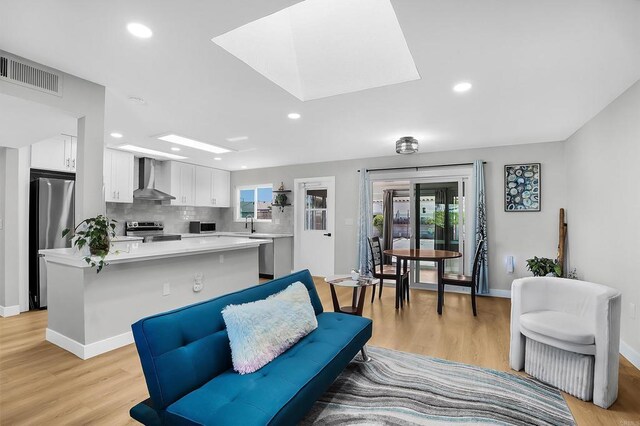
(243, 167)
(294, 115)
(463, 86)
(175, 148)
(217, 158)
(406, 145)
(116, 135)
(151, 152)
(192, 143)
(139, 30)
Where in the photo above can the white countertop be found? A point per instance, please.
(237, 234)
(148, 251)
(125, 239)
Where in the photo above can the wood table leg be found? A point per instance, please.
(354, 299)
(440, 286)
(363, 291)
(404, 273)
(334, 297)
(398, 281)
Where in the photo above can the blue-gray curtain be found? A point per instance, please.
(365, 222)
(387, 229)
(480, 225)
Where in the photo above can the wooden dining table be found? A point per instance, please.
(403, 256)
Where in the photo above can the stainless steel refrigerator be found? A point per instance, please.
(51, 210)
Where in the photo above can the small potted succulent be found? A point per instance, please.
(542, 267)
(95, 233)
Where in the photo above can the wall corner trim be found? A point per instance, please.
(632, 355)
(9, 311)
(92, 349)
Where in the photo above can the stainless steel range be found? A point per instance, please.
(151, 232)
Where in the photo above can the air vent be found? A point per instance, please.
(29, 74)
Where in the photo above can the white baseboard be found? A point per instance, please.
(454, 289)
(92, 349)
(631, 354)
(9, 311)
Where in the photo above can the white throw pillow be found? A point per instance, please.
(260, 331)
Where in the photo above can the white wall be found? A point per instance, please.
(522, 235)
(9, 258)
(603, 204)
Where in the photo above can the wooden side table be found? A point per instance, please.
(357, 301)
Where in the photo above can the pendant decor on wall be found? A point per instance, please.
(522, 187)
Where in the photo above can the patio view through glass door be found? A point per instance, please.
(438, 225)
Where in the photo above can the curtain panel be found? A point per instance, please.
(387, 229)
(365, 223)
(480, 226)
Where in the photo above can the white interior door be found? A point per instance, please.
(314, 221)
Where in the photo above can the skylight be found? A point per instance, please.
(151, 152)
(320, 48)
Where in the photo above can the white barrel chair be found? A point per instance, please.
(567, 333)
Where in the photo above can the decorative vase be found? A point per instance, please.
(100, 246)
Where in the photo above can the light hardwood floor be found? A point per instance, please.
(41, 384)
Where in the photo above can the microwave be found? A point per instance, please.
(197, 227)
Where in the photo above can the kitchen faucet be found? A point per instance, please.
(246, 223)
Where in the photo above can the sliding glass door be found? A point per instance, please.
(438, 224)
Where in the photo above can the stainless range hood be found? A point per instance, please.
(147, 190)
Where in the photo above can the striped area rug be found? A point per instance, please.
(398, 388)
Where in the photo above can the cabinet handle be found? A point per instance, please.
(118, 195)
(74, 163)
(114, 195)
(67, 162)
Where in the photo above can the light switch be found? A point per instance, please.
(510, 264)
(166, 289)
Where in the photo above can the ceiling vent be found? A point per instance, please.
(29, 74)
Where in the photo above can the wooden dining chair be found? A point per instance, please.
(377, 266)
(465, 280)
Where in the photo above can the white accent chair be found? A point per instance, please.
(567, 333)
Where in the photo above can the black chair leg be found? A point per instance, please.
(473, 301)
(373, 293)
(380, 291)
(408, 298)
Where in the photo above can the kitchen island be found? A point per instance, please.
(91, 313)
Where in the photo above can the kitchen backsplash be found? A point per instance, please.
(176, 218)
(282, 222)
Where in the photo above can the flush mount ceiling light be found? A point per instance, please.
(217, 158)
(406, 145)
(151, 152)
(116, 135)
(192, 143)
(243, 167)
(463, 86)
(294, 115)
(175, 148)
(139, 30)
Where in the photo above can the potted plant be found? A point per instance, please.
(96, 233)
(542, 266)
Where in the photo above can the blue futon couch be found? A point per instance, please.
(186, 360)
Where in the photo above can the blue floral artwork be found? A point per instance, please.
(522, 187)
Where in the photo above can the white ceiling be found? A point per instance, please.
(540, 69)
(23, 122)
(320, 48)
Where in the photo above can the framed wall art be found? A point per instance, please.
(522, 187)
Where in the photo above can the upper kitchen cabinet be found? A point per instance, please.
(118, 176)
(212, 187)
(58, 153)
(179, 180)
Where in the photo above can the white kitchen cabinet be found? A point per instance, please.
(179, 180)
(58, 153)
(212, 187)
(118, 176)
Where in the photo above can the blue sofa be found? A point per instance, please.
(186, 360)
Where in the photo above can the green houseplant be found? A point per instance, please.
(542, 266)
(95, 233)
(378, 223)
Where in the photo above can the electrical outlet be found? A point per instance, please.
(222, 258)
(166, 289)
(632, 310)
(198, 282)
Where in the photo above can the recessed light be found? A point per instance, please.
(175, 148)
(137, 100)
(294, 115)
(139, 30)
(461, 87)
(243, 167)
(116, 135)
(148, 151)
(217, 158)
(238, 139)
(192, 143)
